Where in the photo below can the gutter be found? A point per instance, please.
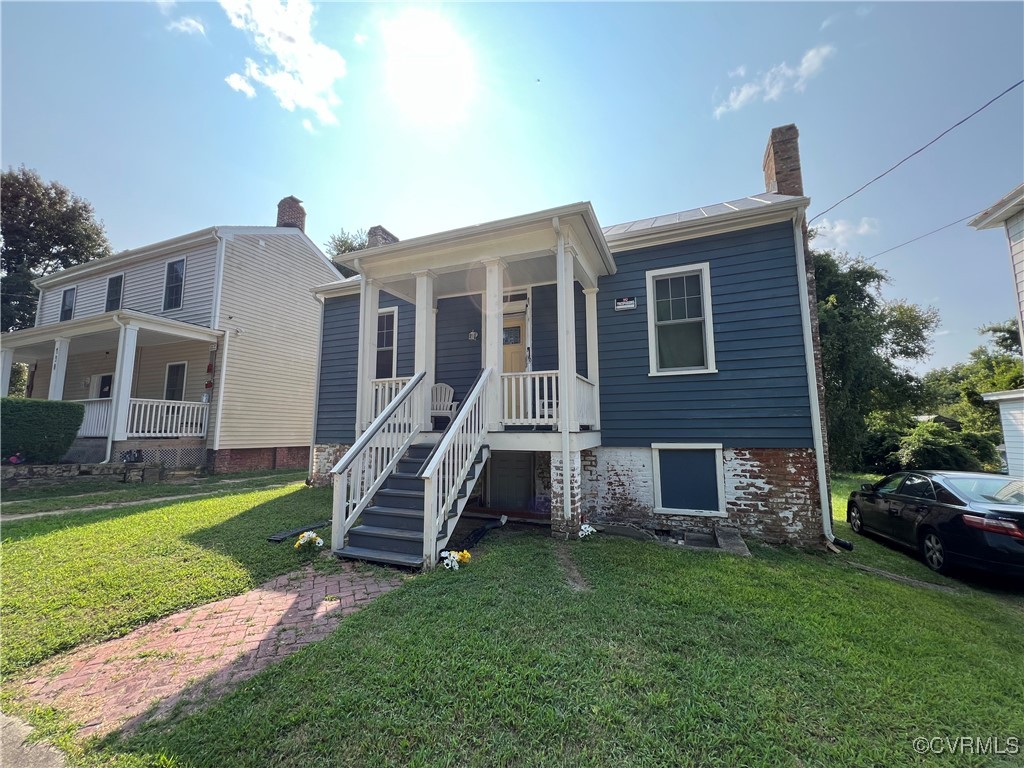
(812, 386)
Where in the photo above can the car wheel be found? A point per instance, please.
(934, 552)
(856, 520)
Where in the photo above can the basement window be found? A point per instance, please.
(689, 479)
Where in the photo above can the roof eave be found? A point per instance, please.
(1007, 206)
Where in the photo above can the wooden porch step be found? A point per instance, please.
(380, 556)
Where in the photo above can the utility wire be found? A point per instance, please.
(921, 237)
(918, 151)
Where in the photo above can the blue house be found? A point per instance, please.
(660, 373)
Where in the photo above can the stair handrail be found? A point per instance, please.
(450, 462)
(366, 465)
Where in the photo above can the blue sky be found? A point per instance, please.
(170, 117)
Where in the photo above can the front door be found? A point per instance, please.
(101, 385)
(514, 344)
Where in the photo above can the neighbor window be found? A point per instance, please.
(67, 304)
(174, 381)
(689, 478)
(174, 284)
(387, 322)
(679, 325)
(114, 286)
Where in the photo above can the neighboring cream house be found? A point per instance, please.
(1009, 212)
(185, 351)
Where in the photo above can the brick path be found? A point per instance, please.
(202, 653)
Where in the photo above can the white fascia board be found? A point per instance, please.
(144, 253)
(1006, 394)
(1010, 204)
(347, 287)
(105, 322)
(733, 221)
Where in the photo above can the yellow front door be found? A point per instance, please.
(514, 344)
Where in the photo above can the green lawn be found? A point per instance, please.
(77, 578)
(91, 493)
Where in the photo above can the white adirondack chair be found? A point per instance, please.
(441, 403)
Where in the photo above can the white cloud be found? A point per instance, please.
(240, 84)
(188, 25)
(771, 85)
(740, 71)
(165, 6)
(308, 125)
(360, 38)
(300, 71)
(842, 232)
(942, 333)
(828, 22)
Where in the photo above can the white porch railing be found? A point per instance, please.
(586, 401)
(366, 465)
(384, 391)
(96, 422)
(530, 399)
(449, 464)
(166, 418)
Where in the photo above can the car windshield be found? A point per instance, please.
(994, 490)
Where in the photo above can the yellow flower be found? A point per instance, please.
(463, 556)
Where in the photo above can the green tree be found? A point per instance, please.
(44, 228)
(865, 343)
(19, 381)
(345, 242)
(1005, 336)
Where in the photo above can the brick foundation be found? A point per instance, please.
(251, 459)
(771, 494)
(325, 456)
(565, 523)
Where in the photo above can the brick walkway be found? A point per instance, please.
(200, 654)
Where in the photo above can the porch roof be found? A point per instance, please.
(157, 330)
(526, 243)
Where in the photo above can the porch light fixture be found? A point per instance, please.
(473, 335)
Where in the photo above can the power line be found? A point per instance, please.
(918, 151)
(921, 237)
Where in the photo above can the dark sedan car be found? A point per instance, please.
(953, 518)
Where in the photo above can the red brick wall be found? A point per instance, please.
(249, 459)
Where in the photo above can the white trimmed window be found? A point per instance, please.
(174, 381)
(67, 304)
(174, 284)
(387, 348)
(115, 286)
(689, 479)
(680, 331)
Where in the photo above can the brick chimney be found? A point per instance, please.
(290, 213)
(378, 236)
(782, 162)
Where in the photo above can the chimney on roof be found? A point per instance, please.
(782, 162)
(290, 213)
(378, 236)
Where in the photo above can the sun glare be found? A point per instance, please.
(430, 70)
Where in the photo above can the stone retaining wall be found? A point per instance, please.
(39, 475)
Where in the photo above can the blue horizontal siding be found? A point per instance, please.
(545, 328)
(339, 352)
(759, 397)
(458, 358)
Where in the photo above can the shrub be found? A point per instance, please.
(40, 430)
(935, 446)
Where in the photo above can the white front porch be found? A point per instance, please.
(138, 377)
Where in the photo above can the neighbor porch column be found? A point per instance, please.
(6, 363)
(593, 370)
(369, 306)
(121, 393)
(494, 323)
(59, 369)
(424, 357)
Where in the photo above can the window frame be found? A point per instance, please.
(659, 508)
(184, 269)
(74, 304)
(652, 276)
(394, 342)
(184, 380)
(120, 295)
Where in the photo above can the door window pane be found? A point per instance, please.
(385, 345)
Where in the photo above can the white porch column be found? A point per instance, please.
(6, 363)
(593, 370)
(494, 323)
(424, 356)
(59, 369)
(566, 338)
(121, 393)
(369, 306)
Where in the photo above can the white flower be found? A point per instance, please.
(586, 530)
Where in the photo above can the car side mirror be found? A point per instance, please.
(867, 487)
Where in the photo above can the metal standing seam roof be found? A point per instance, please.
(763, 200)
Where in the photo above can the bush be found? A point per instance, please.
(934, 446)
(40, 430)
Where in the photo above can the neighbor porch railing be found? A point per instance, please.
(530, 399)
(166, 418)
(365, 466)
(449, 464)
(96, 422)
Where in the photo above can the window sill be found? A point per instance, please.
(689, 512)
(683, 373)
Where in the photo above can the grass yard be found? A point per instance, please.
(79, 578)
(673, 658)
(93, 493)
